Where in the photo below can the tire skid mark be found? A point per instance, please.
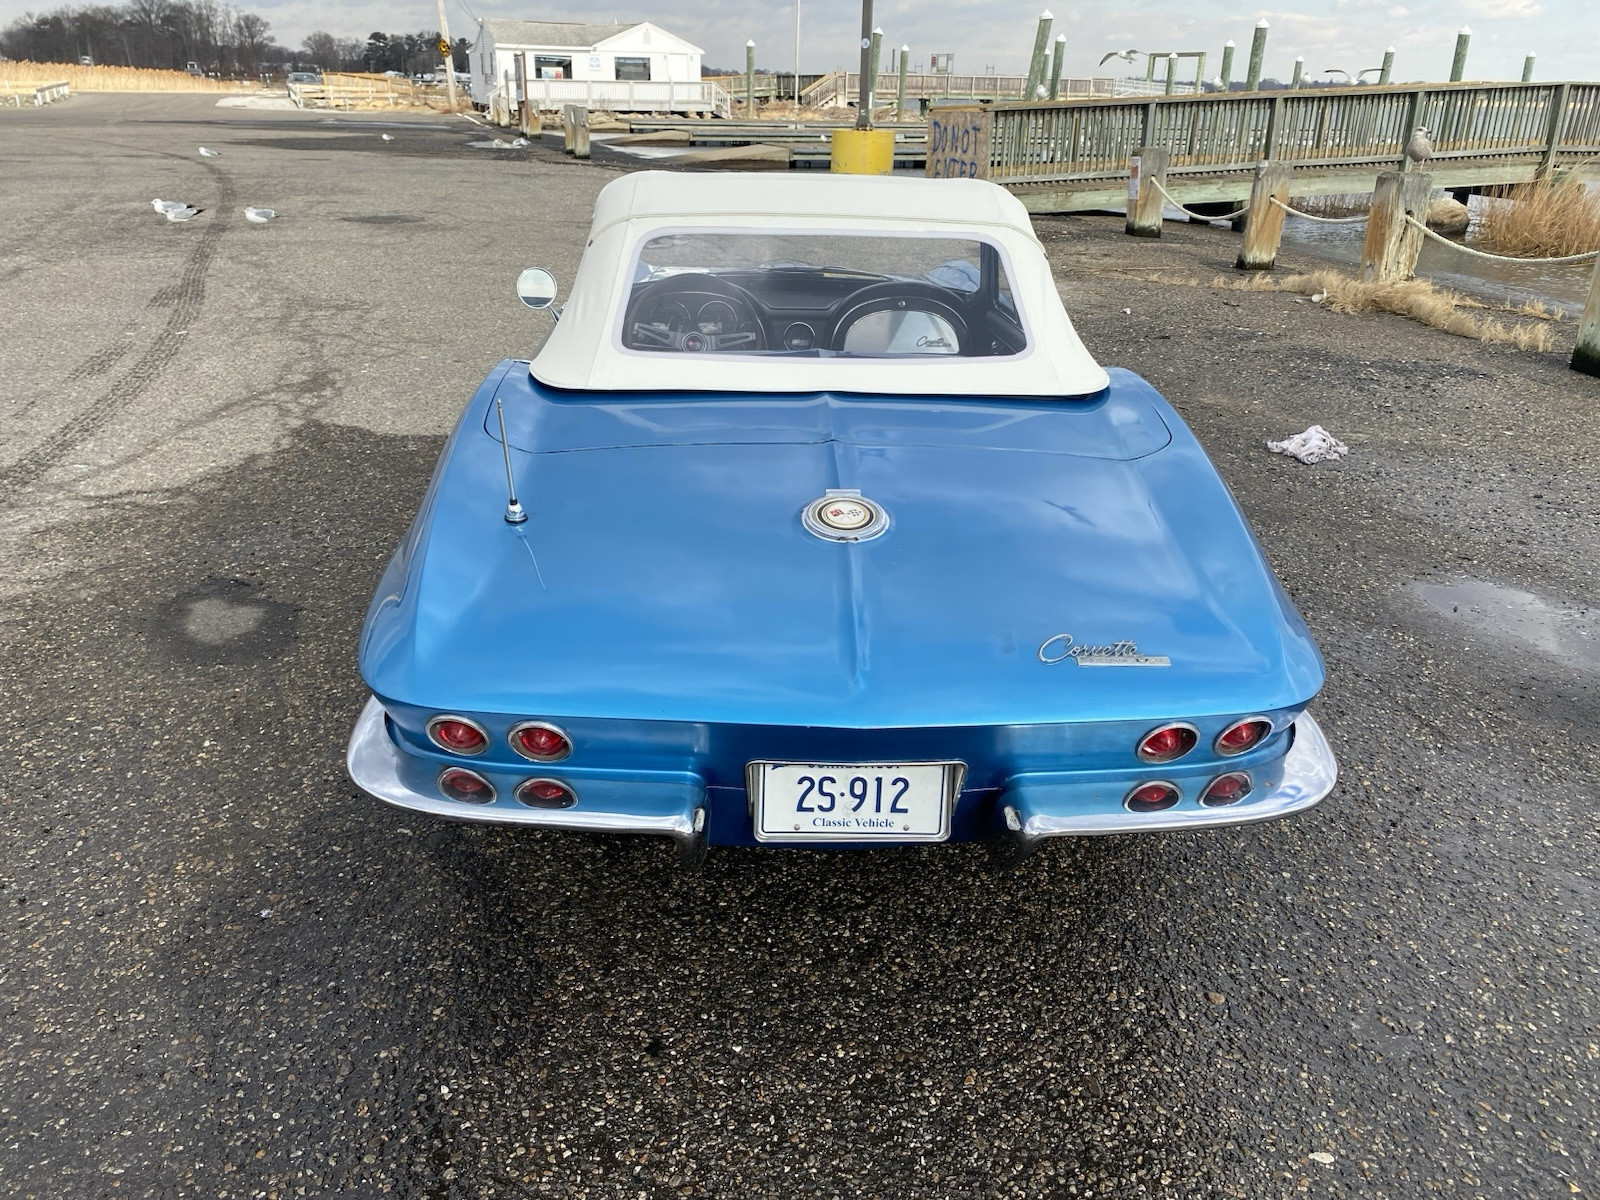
(189, 295)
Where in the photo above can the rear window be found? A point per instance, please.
(820, 295)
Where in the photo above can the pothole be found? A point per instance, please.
(1508, 614)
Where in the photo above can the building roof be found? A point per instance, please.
(553, 33)
(584, 350)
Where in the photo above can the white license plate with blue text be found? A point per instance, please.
(859, 802)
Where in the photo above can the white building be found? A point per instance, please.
(639, 67)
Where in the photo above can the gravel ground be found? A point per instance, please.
(226, 973)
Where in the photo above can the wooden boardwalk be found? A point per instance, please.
(1074, 155)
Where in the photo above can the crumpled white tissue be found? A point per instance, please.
(1313, 446)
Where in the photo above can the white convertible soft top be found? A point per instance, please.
(583, 352)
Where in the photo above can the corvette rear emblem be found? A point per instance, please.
(1115, 654)
(844, 515)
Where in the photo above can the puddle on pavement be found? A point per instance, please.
(1571, 635)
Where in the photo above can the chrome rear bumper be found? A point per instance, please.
(382, 769)
(1310, 771)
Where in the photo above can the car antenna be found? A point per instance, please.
(515, 513)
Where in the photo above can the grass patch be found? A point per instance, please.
(1543, 219)
(1333, 206)
(1414, 298)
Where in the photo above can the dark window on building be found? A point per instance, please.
(552, 68)
(633, 68)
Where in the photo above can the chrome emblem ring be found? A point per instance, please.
(844, 515)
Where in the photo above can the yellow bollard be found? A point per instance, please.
(862, 152)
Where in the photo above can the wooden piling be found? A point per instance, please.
(749, 78)
(1263, 224)
(575, 125)
(1586, 354)
(1527, 67)
(1458, 65)
(1390, 251)
(567, 127)
(1258, 50)
(1149, 167)
(1387, 69)
(1227, 65)
(1041, 39)
(1055, 65)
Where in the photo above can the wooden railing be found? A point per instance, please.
(18, 93)
(843, 87)
(1511, 125)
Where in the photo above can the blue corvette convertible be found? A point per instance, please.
(813, 523)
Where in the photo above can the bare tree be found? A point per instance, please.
(250, 35)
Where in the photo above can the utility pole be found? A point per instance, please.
(448, 47)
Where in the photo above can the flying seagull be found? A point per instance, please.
(1420, 148)
(1126, 56)
(205, 153)
(259, 216)
(1357, 77)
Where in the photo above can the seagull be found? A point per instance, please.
(1126, 56)
(205, 153)
(259, 216)
(1420, 148)
(388, 137)
(175, 210)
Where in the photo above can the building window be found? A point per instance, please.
(549, 67)
(633, 68)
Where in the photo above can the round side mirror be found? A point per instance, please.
(536, 288)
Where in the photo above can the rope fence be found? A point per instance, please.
(1511, 258)
(1295, 212)
(1189, 212)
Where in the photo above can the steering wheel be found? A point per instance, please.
(695, 313)
(902, 296)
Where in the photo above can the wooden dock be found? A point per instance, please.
(1075, 155)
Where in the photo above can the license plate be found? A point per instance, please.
(857, 802)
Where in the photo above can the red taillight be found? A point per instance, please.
(1151, 797)
(469, 787)
(1226, 789)
(1167, 743)
(457, 735)
(540, 742)
(1242, 735)
(546, 793)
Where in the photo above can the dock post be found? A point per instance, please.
(1055, 66)
(1258, 51)
(1388, 66)
(1149, 167)
(1586, 354)
(1527, 66)
(1458, 66)
(1299, 73)
(1172, 73)
(749, 78)
(568, 139)
(524, 117)
(580, 131)
(1263, 224)
(1227, 65)
(1389, 254)
(900, 92)
(874, 63)
(1041, 39)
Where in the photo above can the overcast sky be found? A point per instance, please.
(983, 34)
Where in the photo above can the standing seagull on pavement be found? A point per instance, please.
(1419, 149)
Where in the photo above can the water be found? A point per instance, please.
(1522, 619)
(1567, 285)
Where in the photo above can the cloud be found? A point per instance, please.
(1503, 10)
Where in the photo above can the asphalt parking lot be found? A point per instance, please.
(224, 972)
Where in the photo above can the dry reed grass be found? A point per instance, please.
(1414, 298)
(1543, 219)
(112, 79)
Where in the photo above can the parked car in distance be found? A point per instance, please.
(302, 78)
(814, 524)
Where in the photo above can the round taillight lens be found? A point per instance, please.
(1226, 789)
(1151, 797)
(1167, 743)
(540, 742)
(469, 787)
(457, 735)
(1242, 735)
(546, 793)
